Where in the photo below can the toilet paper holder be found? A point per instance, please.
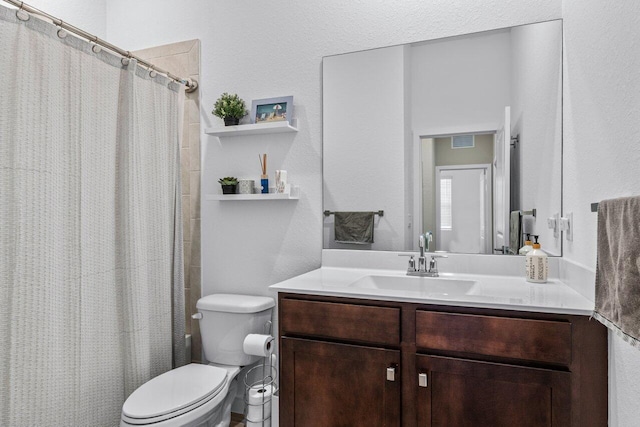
(260, 387)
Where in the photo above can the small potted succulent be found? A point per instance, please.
(230, 108)
(229, 184)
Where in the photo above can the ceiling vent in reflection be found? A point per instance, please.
(462, 141)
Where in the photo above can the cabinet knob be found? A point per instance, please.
(422, 380)
(391, 373)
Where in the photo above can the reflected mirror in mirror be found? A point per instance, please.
(459, 136)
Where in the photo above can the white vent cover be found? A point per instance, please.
(462, 141)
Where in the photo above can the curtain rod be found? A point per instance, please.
(190, 84)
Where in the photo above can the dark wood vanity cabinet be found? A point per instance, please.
(338, 384)
(342, 363)
(352, 362)
(461, 392)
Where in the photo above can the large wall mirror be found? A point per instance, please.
(459, 136)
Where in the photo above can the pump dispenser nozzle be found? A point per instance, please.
(536, 245)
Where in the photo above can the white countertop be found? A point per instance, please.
(488, 291)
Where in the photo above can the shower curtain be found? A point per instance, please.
(90, 228)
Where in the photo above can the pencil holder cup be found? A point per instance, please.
(245, 186)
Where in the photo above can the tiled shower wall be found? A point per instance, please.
(183, 59)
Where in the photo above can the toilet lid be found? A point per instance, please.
(175, 390)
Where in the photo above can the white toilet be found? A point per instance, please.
(196, 394)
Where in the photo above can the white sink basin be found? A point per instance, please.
(431, 286)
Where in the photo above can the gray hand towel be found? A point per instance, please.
(354, 227)
(618, 267)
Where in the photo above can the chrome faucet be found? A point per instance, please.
(423, 243)
(421, 269)
(422, 261)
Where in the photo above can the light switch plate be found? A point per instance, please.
(566, 225)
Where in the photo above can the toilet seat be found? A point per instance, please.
(174, 393)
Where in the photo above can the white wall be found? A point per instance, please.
(90, 16)
(602, 148)
(460, 83)
(364, 142)
(536, 111)
(428, 182)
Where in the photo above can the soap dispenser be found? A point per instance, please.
(527, 245)
(536, 264)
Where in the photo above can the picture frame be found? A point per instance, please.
(272, 109)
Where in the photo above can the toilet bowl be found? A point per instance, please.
(198, 394)
(192, 395)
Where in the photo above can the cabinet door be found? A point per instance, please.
(461, 392)
(327, 384)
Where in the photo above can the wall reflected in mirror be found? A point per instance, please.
(449, 136)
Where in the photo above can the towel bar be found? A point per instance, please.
(594, 207)
(531, 212)
(379, 213)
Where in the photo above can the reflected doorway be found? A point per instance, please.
(457, 191)
(463, 215)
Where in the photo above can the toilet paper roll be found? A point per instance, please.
(258, 345)
(259, 406)
(267, 423)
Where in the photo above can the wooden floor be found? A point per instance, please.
(237, 420)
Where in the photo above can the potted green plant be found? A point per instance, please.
(230, 108)
(229, 184)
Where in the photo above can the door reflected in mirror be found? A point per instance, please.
(457, 191)
(450, 136)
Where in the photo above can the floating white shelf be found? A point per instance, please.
(253, 129)
(294, 195)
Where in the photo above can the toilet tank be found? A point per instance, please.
(226, 320)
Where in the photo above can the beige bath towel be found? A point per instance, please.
(618, 270)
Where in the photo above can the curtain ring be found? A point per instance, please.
(22, 14)
(152, 72)
(126, 60)
(96, 48)
(61, 32)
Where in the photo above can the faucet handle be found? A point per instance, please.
(433, 264)
(412, 262)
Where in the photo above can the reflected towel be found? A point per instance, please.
(354, 227)
(618, 267)
(515, 232)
